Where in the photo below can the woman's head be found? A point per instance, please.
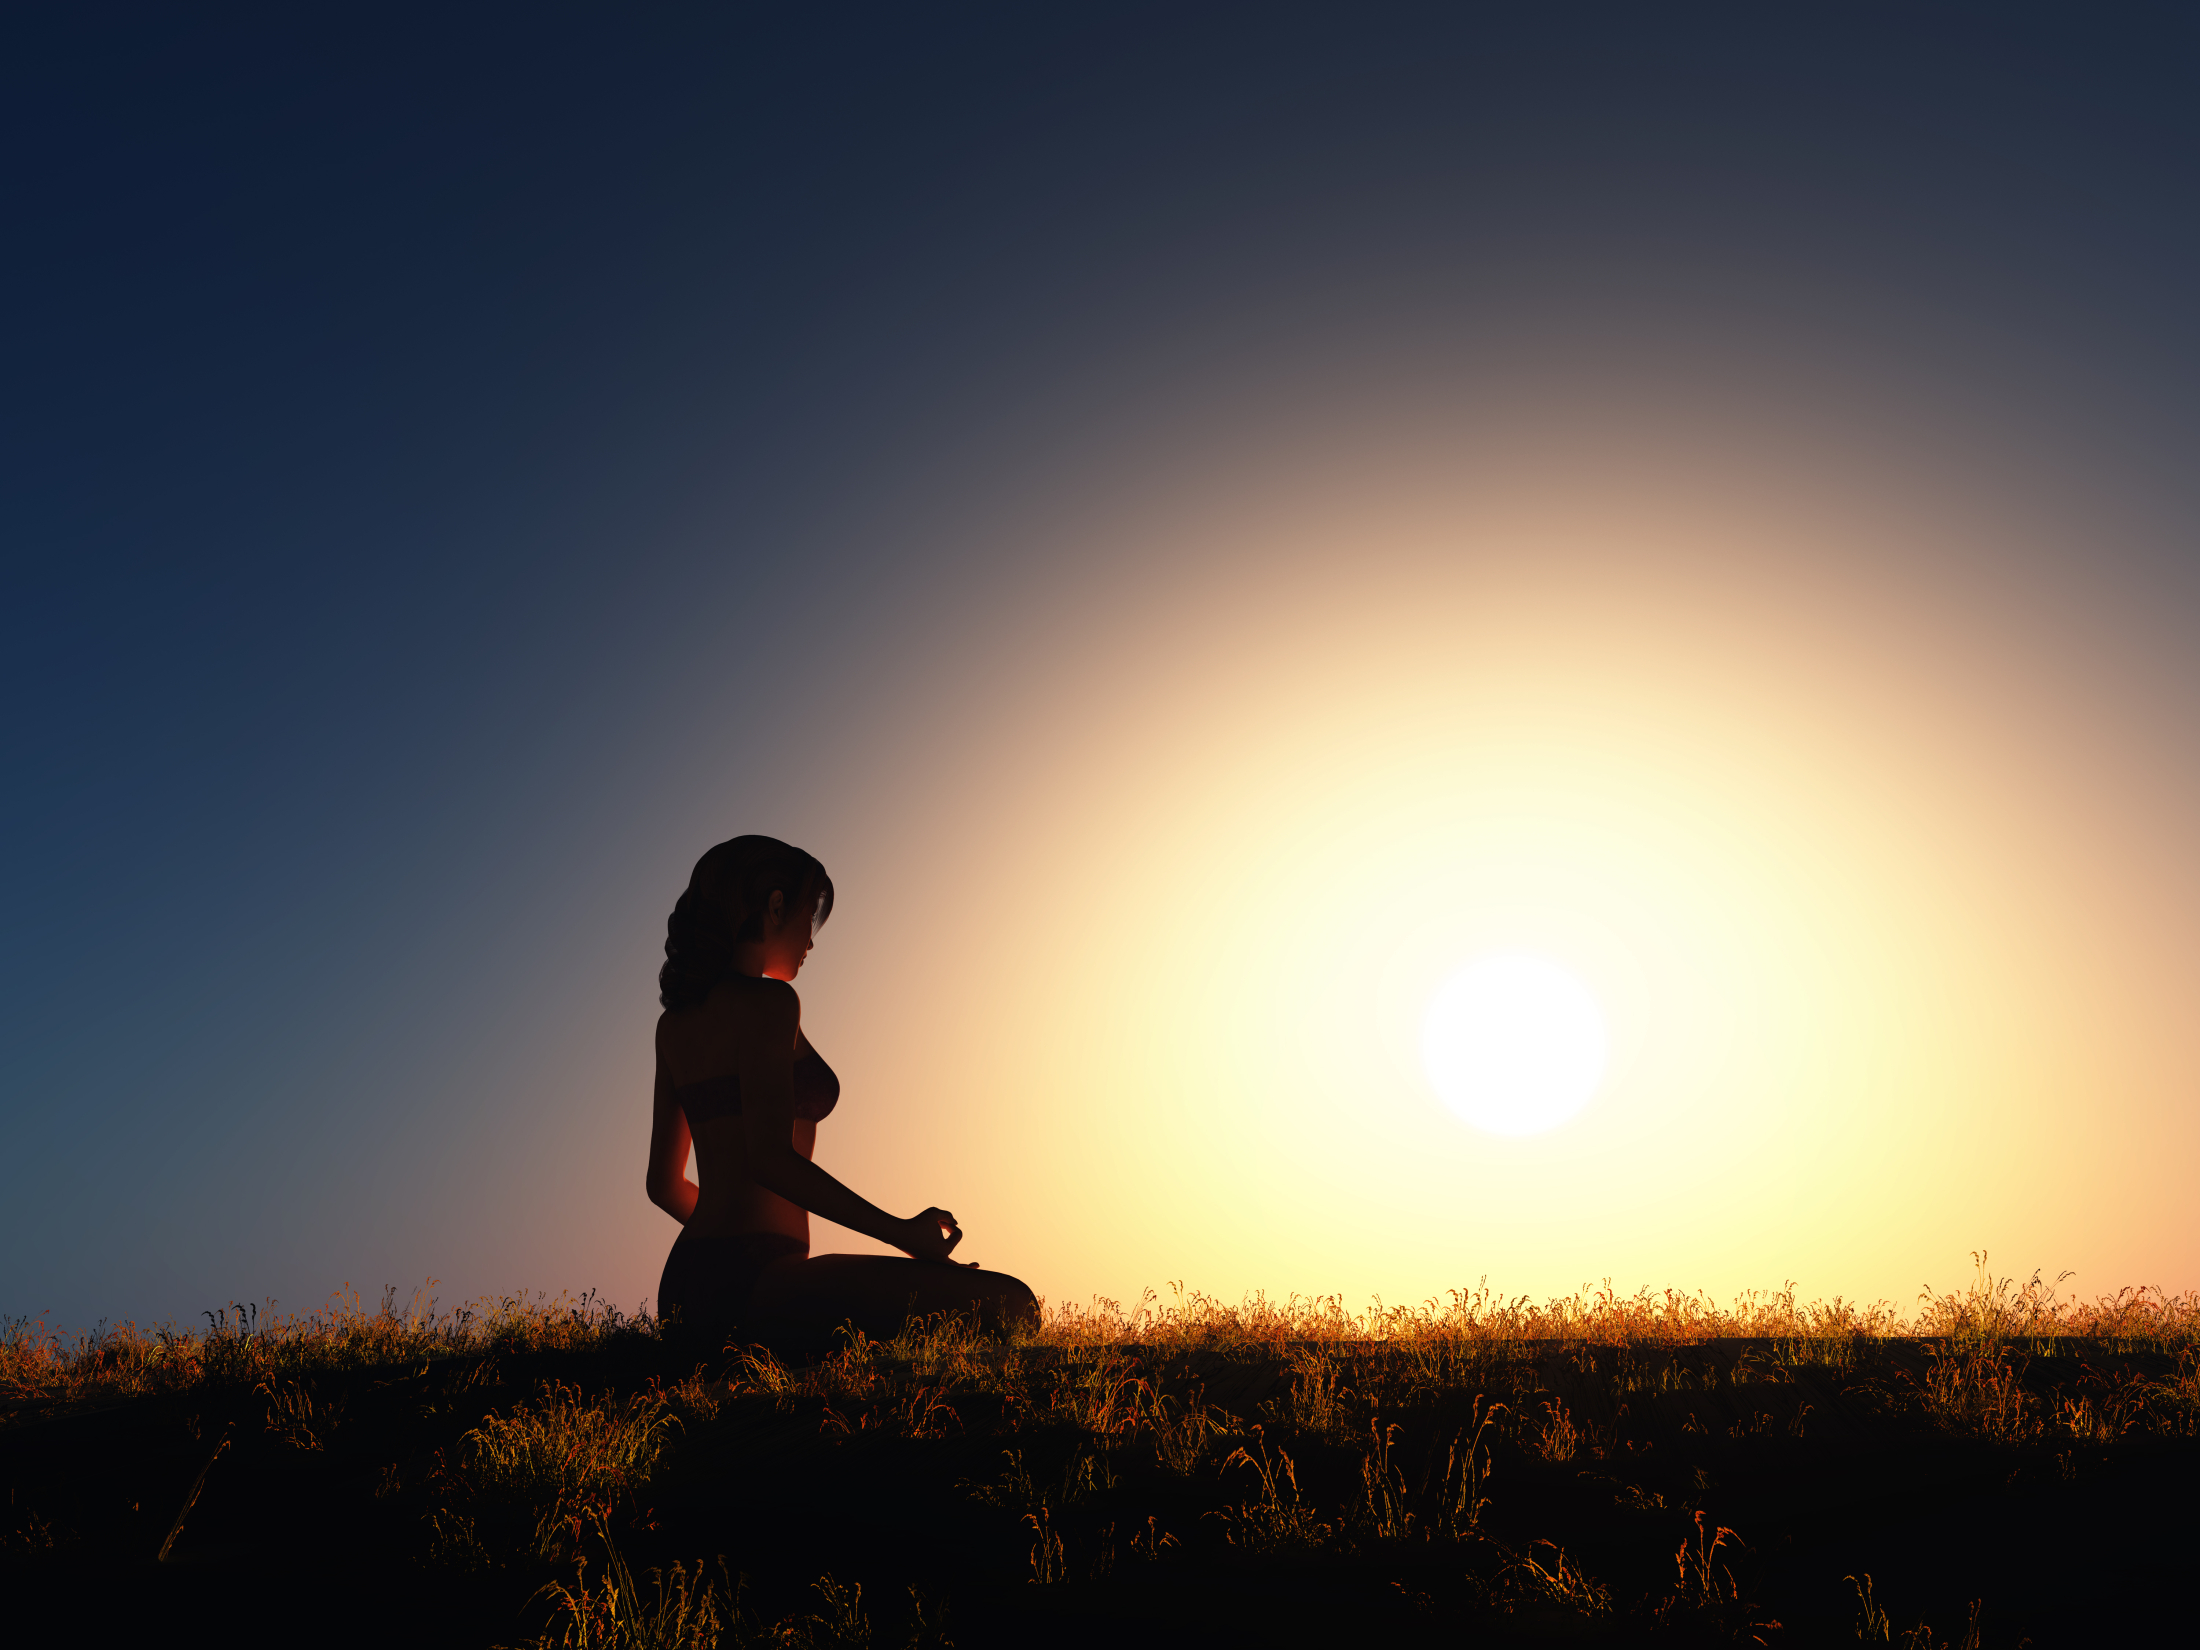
(751, 906)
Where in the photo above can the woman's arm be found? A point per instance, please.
(669, 1187)
(767, 1117)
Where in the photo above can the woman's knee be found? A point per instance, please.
(1009, 1298)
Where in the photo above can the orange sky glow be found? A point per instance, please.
(1865, 862)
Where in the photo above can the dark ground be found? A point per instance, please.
(2067, 1543)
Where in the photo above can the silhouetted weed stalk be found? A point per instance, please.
(1177, 1432)
(242, 1344)
(552, 1469)
(705, 1608)
(1436, 1343)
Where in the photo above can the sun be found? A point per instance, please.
(1514, 1044)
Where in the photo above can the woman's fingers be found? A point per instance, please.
(940, 1226)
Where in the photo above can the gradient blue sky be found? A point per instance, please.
(457, 466)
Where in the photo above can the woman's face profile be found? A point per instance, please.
(788, 935)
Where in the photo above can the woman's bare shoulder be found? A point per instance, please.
(749, 1002)
(736, 1011)
(741, 1001)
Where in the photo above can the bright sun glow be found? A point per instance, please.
(1514, 1044)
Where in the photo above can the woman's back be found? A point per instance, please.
(701, 1054)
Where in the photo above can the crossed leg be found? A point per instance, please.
(803, 1301)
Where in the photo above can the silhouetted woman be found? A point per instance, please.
(736, 1074)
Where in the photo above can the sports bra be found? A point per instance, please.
(816, 1091)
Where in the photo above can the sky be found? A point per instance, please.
(1207, 521)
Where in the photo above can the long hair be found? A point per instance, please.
(724, 905)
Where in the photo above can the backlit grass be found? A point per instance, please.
(1656, 1467)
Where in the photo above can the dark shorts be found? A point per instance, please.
(708, 1279)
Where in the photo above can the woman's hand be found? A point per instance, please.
(931, 1236)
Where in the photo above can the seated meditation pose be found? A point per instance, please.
(736, 1075)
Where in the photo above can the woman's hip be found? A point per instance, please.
(710, 1277)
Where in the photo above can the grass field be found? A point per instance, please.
(1993, 1466)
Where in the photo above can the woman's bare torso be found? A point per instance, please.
(695, 1045)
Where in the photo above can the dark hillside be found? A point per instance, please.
(496, 1477)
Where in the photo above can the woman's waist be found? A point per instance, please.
(722, 1146)
(733, 1215)
(753, 1248)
